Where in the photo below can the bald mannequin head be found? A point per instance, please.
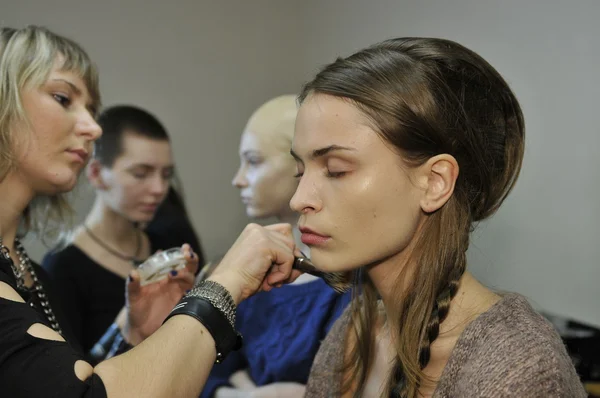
(274, 120)
(265, 177)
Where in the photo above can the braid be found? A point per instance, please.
(440, 310)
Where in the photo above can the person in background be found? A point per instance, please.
(300, 313)
(130, 171)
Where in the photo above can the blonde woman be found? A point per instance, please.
(48, 101)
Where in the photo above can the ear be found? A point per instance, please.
(94, 174)
(442, 172)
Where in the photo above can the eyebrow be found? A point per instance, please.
(73, 86)
(150, 166)
(323, 151)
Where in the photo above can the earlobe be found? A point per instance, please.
(442, 173)
(94, 174)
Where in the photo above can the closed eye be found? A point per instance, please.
(334, 174)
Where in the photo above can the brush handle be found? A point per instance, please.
(304, 265)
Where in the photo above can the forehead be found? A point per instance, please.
(264, 143)
(60, 72)
(324, 120)
(139, 149)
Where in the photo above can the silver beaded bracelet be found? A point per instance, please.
(218, 296)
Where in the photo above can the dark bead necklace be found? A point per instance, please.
(20, 270)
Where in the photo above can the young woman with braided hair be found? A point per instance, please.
(401, 148)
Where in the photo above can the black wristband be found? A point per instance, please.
(225, 336)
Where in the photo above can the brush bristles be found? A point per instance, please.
(338, 281)
(341, 282)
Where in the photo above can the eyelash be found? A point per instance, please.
(328, 174)
(62, 99)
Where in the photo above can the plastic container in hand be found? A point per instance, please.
(158, 266)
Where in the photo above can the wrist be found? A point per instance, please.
(230, 284)
(131, 335)
(213, 306)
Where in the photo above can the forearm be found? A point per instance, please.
(174, 362)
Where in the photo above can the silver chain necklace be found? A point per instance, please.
(20, 270)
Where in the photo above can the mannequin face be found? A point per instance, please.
(138, 181)
(266, 175)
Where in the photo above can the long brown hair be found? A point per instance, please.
(427, 97)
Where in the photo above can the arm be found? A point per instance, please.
(177, 358)
(220, 374)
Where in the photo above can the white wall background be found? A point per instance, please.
(203, 66)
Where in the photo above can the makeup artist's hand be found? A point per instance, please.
(261, 258)
(148, 306)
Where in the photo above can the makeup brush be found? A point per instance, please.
(341, 282)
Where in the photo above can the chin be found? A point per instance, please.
(253, 212)
(58, 187)
(331, 262)
(141, 217)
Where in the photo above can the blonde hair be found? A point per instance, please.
(27, 57)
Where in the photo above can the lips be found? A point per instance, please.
(79, 154)
(312, 238)
(149, 207)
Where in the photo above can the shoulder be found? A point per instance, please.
(65, 260)
(514, 349)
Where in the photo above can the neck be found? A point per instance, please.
(16, 196)
(471, 299)
(110, 224)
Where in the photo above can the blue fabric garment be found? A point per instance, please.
(282, 332)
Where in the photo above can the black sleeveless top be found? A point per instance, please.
(34, 367)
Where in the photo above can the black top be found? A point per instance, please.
(34, 367)
(90, 295)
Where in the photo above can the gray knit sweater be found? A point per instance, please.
(508, 351)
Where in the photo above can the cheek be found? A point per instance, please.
(126, 193)
(378, 216)
(261, 181)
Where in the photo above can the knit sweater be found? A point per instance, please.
(508, 351)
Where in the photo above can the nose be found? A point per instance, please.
(306, 198)
(86, 126)
(159, 185)
(239, 180)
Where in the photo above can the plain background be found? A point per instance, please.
(203, 66)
